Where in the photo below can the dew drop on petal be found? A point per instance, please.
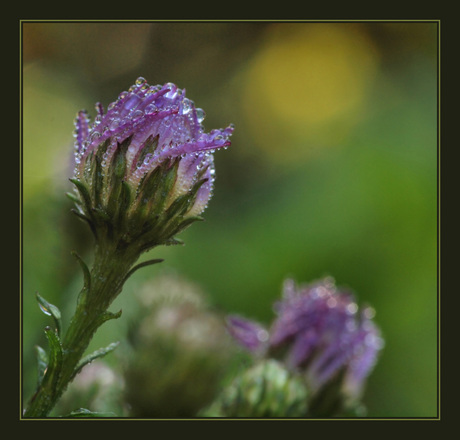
(186, 106)
(114, 124)
(138, 114)
(151, 108)
(200, 115)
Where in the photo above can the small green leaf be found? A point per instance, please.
(86, 276)
(143, 264)
(42, 363)
(107, 316)
(95, 355)
(50, 310)
(53, 369)
(82, 412)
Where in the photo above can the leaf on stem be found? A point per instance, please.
(50, 310)
(86, 276)
(143, 264)
(42, 363)
(95, 355)
(83, 412)
(53, 369)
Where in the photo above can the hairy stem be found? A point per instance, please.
(110, 268)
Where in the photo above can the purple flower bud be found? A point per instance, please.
(150, 139)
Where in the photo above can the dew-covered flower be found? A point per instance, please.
(321, 332)
(144, 168)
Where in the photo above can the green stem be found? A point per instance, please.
(110, 268)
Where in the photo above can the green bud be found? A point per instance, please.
(266, 389)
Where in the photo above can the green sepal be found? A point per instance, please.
(174, 215)
(149, 147)
(102, 148)
(86, 219)
(100, 215)
(173, 241)
(179, 207)
(116, 173)
(123, 205)
(117, 167)
(187, 222)
(53, 370)
(97, 180)
(84, 193)
(50, 310)
(74, 198)
(148, 185)
(178, 224)
(95, 355)
(167, 183)
(42, 363)
(83, 412)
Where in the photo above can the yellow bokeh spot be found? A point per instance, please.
(308, 86)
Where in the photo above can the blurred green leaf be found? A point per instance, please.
(82, 412)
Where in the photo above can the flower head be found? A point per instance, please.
(145, 166)
(320, 332)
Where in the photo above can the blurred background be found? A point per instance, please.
(332, 171)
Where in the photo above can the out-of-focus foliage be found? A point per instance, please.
(332, 171)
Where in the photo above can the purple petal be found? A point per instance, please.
(249, 334)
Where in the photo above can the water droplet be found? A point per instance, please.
(186, 106)
(172, 92)
(200, 115)
(140, 81)
(44, 310)
(151, 108)
(95, 135)
(137, 114)
(114, 124)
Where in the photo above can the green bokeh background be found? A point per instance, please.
(332, 171)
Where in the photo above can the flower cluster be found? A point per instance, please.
(320, 332)
(144, 169)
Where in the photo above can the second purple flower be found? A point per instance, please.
(320, 333)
